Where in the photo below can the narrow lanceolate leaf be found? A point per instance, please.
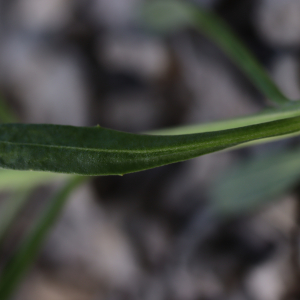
(288, 110)
(169, 15)
(100, 151)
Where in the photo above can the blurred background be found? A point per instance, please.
(164, 233)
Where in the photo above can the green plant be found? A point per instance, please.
(101, 151)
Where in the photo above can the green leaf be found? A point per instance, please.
(18, 180)
(250, 185)
(169, 15)
(100, 151)
(288, 110)
(30, 247)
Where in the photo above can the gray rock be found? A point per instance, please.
(144, 56)
(89, 243)
(216, 93)
(114, 13)
(40, 15)
(278, 22)
(286, 74)
(274, 278)
(38, 285)
(48, 84)
(131, 111)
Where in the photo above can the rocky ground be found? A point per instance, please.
(149, 235)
